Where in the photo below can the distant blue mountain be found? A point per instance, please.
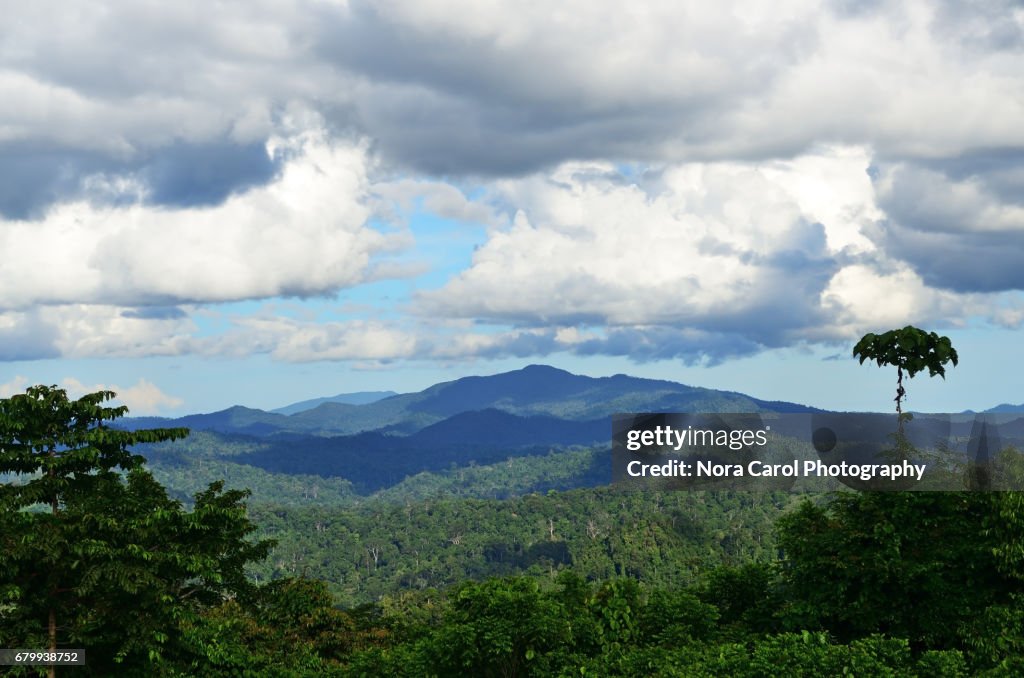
(534, 391)
(1006, 407)
(358, 398)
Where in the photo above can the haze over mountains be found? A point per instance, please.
(358, 398)
(534, 391)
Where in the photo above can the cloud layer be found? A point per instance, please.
(658, 179)
(698, 260)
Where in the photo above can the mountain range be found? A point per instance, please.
(377, 441)
(534, 391)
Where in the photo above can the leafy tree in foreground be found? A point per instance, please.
(911, 350)
(93, 553)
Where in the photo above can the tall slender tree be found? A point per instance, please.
(910, 350)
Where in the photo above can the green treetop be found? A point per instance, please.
(93, 553)
(910, 350)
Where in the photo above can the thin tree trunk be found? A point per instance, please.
(52, 622)
(52, 671)
(900, 393)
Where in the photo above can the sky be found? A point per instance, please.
(207, 204)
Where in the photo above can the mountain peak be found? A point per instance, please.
(538, 368)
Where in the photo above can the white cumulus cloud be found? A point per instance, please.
(699, 260)
(16, 385)
(143, 398)
(303, 234)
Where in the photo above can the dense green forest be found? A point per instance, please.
(513, 568)
(387, 550)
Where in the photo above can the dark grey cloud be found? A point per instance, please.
(445, 97)
(186, 175)
(666, 343)
(188, 91)
(958, 222)
(641, 344)
(971, 262)
(515, 344)
(179, 98)
(981, 26)
(32, 178)
(499, 90)
(440, 133)
(999, 170)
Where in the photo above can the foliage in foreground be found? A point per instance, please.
(93, 553)
(96, 555)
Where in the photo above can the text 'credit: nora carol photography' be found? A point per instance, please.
(818, 452)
